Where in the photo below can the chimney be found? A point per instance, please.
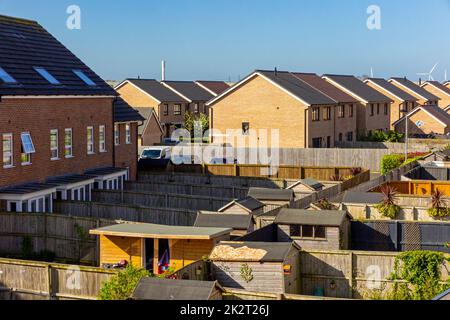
(276, 72)
(420, 81)
(163, 70)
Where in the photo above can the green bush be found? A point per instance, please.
(122, 285)
(439, 212)
(391, 162)
(388, 210)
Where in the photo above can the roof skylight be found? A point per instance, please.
(5, 77)
(84, 77)
(46, 75)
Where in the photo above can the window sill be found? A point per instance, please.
(55, 159)
(69, 157)
(24, 164)
(104, 151)
(8, 167)
(91, 153)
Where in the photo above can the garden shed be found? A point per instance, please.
(314, 229)
(257, 266)
(241, 224)
(151, 288)
(273, 197)
(306, 186)
(158, 248)
(247, 205)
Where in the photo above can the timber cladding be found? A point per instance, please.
(114, 249)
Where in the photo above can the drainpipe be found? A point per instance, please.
(113, 125)
(306, 128)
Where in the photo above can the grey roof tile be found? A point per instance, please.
(190, 90)
(416, 88)
(389, 87)
(156, 90)
(330, 218)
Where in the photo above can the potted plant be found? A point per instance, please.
(388, 208)
(439, 207)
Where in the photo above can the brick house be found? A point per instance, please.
(213, 87)
(151, 131)
(56, 123)
(422, 120)
(439, 90)
(423, 96)
(403, 101)
(267, 100)
(373, 108)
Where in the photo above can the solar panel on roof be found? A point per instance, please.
(46, 75)
(6, 77)
(84, 77)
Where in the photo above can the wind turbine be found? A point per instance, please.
(429, 74)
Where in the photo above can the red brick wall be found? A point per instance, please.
(39, 116)
(126, 154)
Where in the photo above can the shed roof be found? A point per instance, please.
(325, 87)
(415, 88)
(357, 88)
(27, 188)
(248, 203)
(271, 194)
(70, 179)
(362, 197)
(217, 87)
(311, 183)
(156, 231)
(155, 89)
(153, 288)
(329, 218)
(389, 87)
(24, 45)
(189, 90)
(222, 220)
(123, 112)
(104, 171)
(252, 251)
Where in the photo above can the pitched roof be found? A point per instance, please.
(153, 288)
(147, 114)
(325, 87)
(221, 220)
(216, 87)
(357, 88)
(309, 182)
(271, 194)
(248, 203)
(251, 251)
(155, 89)
(24, 45)
(438, 86)
(147, 230)
(189, 90)
(123, 112)
(357, 197)
(436, 112)
(389, 87)
(414, 88)
(329, 218)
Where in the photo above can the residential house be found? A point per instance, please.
(257, 266)
(343, 116)
(213, 87)
(373, 108)
(423, 96)
(156, 247)
(273, 105)
(425, 120)
(149, 93)
(56, 124)
(322, 229)
(403, 102)
(241, 224)
(154, 288)
(150, 132)
(439, 90)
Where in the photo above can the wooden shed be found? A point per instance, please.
(306, 186)
(314, 229)
(273, 197)
(241, 224)
(257, 266)
(248, 205)
(157, 247)
(151, 288)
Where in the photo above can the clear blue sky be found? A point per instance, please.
(219, 39)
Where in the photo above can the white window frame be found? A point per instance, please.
(90, 144)
(116, 134)
(128, 133)
(68, 146)
(102, 138)
(56, 148)
(11, 152)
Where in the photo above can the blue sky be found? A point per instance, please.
(227, 39)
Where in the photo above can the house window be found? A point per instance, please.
(68, 149)
(196, 108)
(46, 75)
(102, 138)
(350, 111)
(7, 150)
(316, 114)
(341, 111)
(327, 115)
(6, 77)
(307, 232)
(317, 142)
(372, 109)
(350, 136)
(294, 231)
(177, 109)
(386, 109)
(27, 148)
(166, 109)
(90, 140)
(116, 135)
(54, 144)
(80, 74)
(245, 128)
(127, 133)
(319, 232)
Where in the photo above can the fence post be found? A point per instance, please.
(49, 282)
(351, 277)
